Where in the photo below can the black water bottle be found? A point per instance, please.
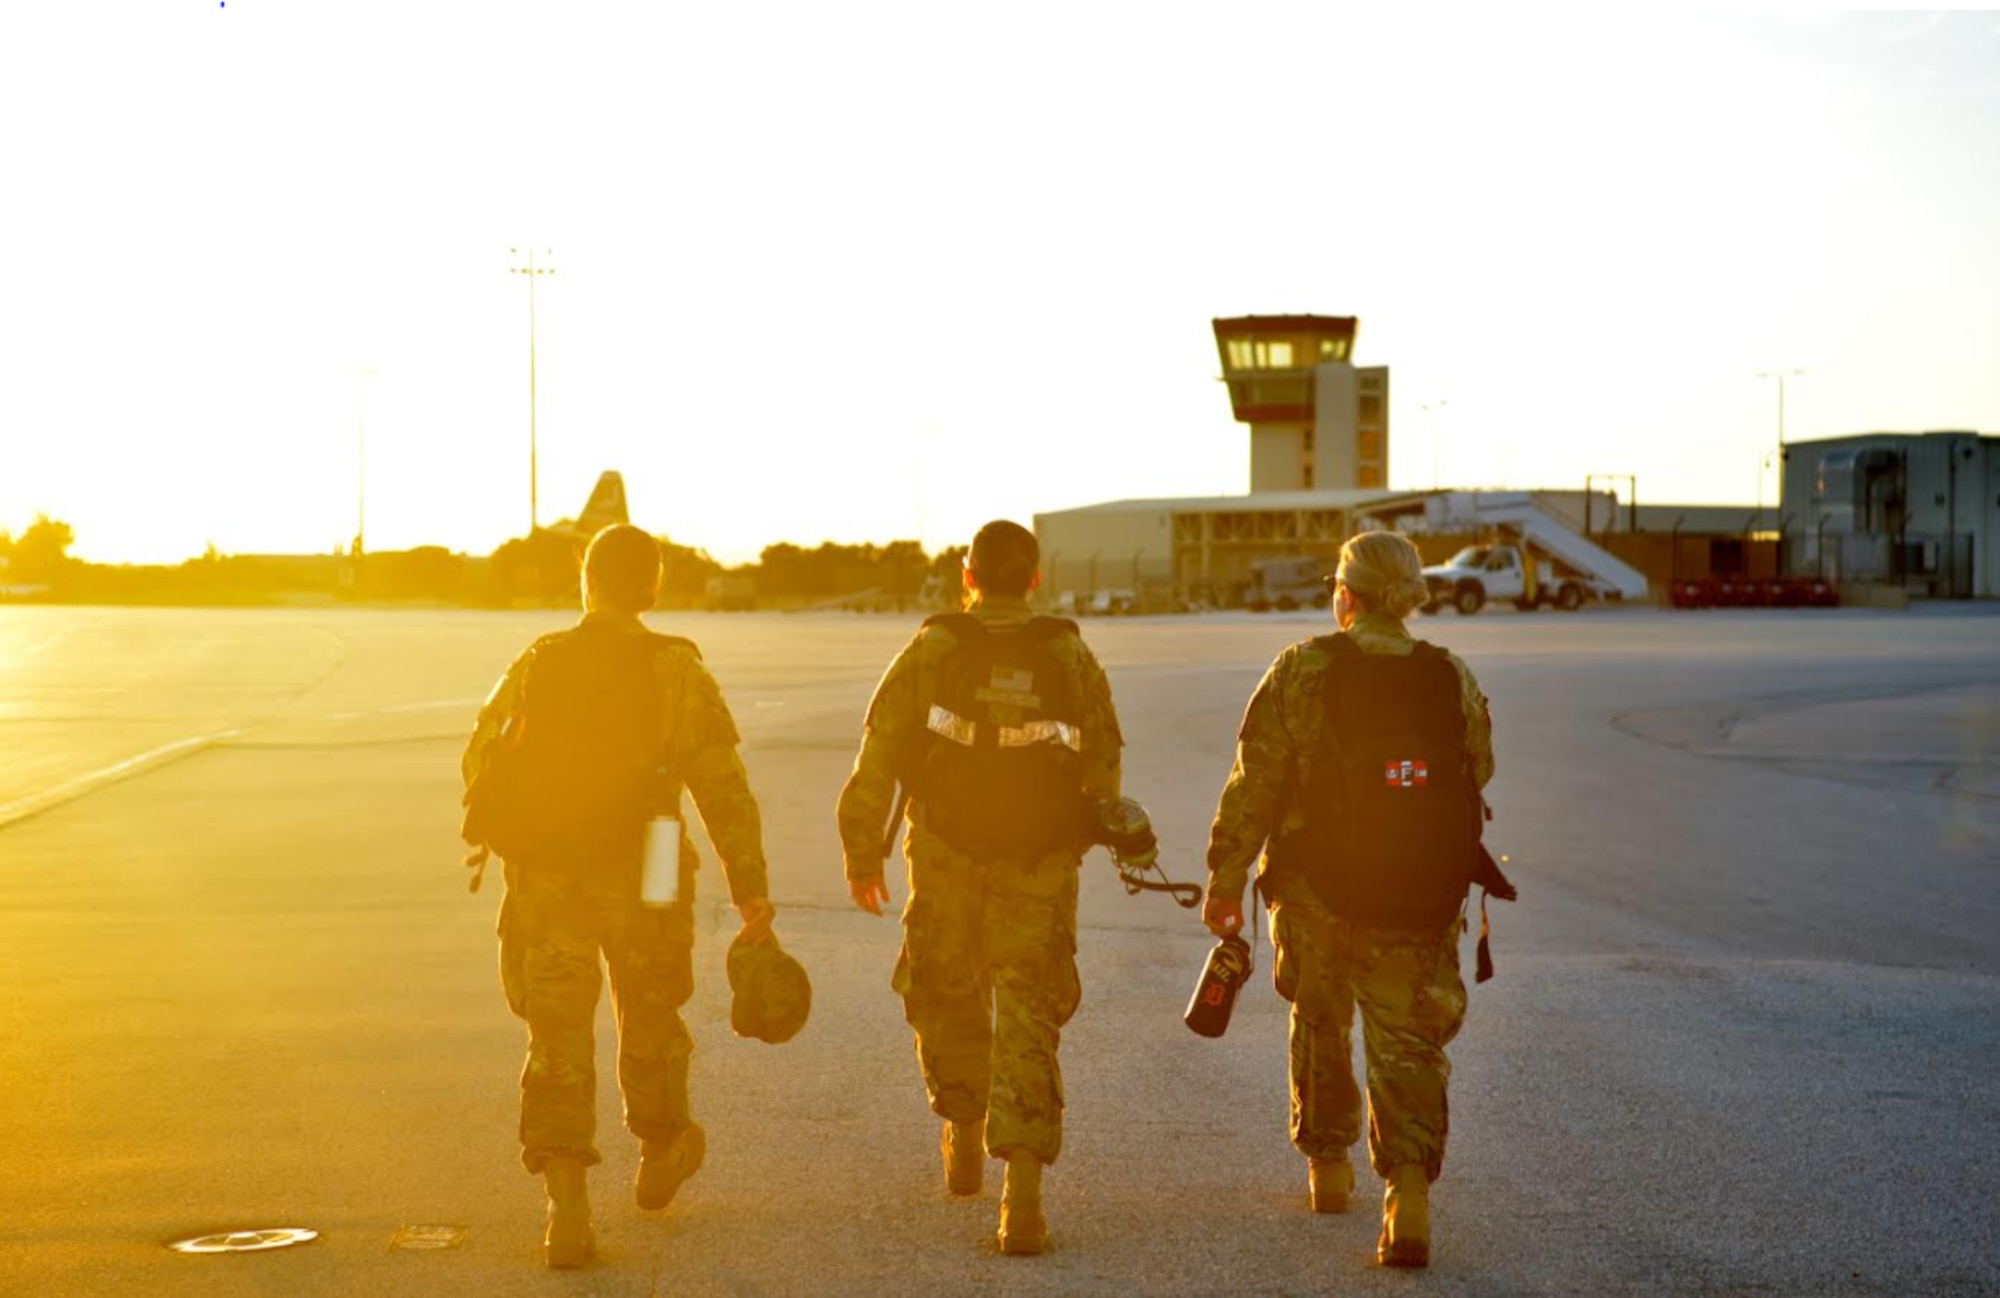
(1228, 968)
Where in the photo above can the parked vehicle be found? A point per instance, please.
(1286, 584)
(1111, 603)
(1100, 603)
(1744, 592)
(1482, 573)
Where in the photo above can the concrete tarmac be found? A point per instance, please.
(1742, 1040)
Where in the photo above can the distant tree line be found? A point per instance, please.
(38, 556)
(541, 570)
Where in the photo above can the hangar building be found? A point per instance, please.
(1205, 548)
(1920, 511)
(1319, 467)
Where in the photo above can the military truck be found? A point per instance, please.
(1286, 584)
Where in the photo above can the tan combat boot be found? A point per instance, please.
(1331, 1181)
(964, 1150)
(1024, 1231)
(663, 1166)
(570, 1241)
(1406, 1218)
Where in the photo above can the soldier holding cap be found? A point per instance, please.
(609, 695)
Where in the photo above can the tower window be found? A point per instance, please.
(1261, 354)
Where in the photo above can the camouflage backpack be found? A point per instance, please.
(581, 768)
(1392, 812)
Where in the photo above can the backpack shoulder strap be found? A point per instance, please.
(553, 641)
(963, 625)
(661, 640)
(1337, 647)
(1437, 665)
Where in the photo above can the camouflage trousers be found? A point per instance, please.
(988, 979)
(1412, 1003)
(553, 933)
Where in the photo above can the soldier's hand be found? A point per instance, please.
(1223, 915)
(869, 894)
(758, 913)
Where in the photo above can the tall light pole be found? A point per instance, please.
(360, 374)
(1763, 471)
(533, 273)
(1779, 377)
(1436, 439)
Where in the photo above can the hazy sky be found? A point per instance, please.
(853, 271)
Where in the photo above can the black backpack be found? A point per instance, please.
(1000, 770)
(1392, 811)
(582, 768)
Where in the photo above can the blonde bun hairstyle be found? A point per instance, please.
(1384, 569)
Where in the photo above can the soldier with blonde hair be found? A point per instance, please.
(1357, 775)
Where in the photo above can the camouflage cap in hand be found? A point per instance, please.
(770, 995)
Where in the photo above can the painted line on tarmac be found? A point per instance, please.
(69, 790)
(429, 705)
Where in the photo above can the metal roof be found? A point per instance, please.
(1262, 502)
(1696, 519)
(1264, 326)
(1896, 437)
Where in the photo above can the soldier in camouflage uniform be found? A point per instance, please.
(988, 967)
(1407, 984)
(556, 923)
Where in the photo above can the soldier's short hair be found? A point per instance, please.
(1004, 557)
(622, 567)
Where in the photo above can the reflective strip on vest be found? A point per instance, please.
(1042, 732)
(947, 724)
(943, 721)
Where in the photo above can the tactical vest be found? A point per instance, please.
(1392, 812)
(1000, 768)
(582, 767)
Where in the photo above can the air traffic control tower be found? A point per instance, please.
(1315, 420)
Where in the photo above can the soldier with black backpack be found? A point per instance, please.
(575, 771)
(999, 727)
(1358, 773)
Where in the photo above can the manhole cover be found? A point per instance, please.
(419, 1238)
(246, 1241)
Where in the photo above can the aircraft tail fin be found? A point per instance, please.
(606, 505)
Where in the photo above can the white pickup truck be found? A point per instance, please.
(1480, 573)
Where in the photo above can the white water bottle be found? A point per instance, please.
(660, 879)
